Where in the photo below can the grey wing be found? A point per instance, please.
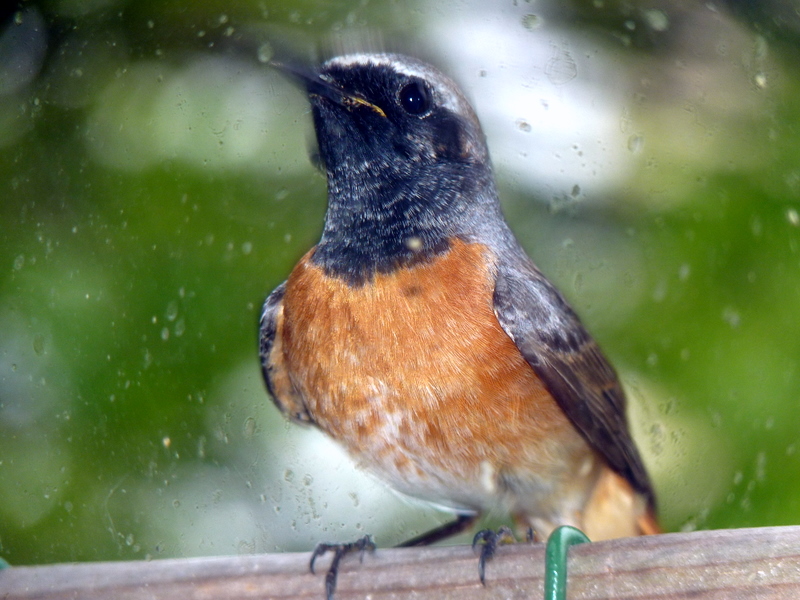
(571, 365)
(273, 367)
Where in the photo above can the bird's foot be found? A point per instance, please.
(339, 552)
(489, 540)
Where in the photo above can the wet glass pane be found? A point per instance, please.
(156, 186)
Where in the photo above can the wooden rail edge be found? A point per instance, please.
(743, 563)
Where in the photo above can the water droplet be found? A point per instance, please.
(165, 333)
(201, 447)
(172, 311)
(38, 344)
(247, 248)
(19, 262)
(180, 327)
(531, 22)
(636, 144)
(731, 316)
(414, 244)
(761, 467)
(561, 68)
(249, 427)
(656, 19)
(265, 52)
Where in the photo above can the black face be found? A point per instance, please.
(384, 116)
(401, 162)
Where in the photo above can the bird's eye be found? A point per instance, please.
(415, 98)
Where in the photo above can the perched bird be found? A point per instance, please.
(419, 335)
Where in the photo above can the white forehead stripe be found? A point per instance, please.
(449, 95)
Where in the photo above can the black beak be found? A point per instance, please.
(316, 85)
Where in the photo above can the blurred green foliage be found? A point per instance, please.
(155, 188)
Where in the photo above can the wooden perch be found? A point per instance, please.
(744, 563)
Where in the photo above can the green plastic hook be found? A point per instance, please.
(555, 561)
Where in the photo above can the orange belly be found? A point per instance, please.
(413, 374)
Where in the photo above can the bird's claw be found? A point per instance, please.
(339, 551)
(489, 540)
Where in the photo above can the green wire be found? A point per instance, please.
(555, 560)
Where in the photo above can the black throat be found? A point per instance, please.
(380, 221)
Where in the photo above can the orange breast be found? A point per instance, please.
(414, 375)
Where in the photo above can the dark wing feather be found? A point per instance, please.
(272, 366)
(268, 329)
(571, 365)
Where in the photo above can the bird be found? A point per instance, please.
(419, 335)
